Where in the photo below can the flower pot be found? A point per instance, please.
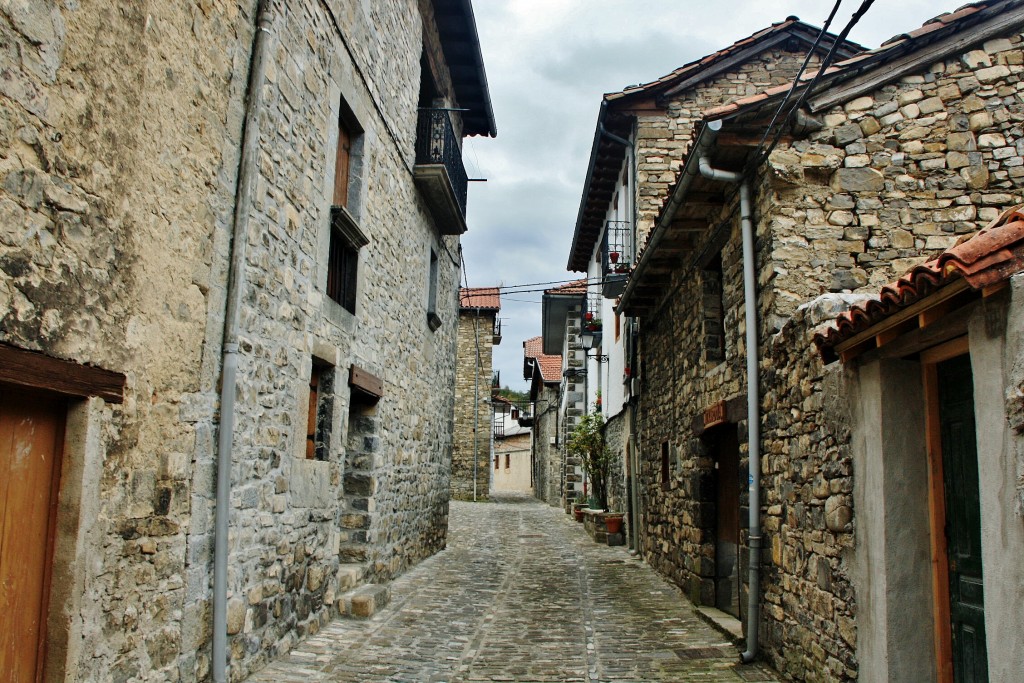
(577, 511)
(613, 523)
(613, 256)
(588, 316)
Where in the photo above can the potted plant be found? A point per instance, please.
(588, 316)
(613, 522)
(613, 256)
(622, 267)
(587, 443)
(578, 507)
(593, 324)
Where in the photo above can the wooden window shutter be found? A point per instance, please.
(341, 166)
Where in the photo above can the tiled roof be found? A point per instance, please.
(696, 66)
(574, 287)
(989, 256)
(550, 367)
(532, 346)
(488, 298)
(879, 56)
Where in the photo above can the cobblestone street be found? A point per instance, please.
(521, 594)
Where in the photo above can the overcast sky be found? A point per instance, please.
(548, 63)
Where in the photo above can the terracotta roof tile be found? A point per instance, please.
(938, 23)
(574, 287)
(532, 347)
(701, 63)
(480, 297)
(991, 255)
(550, 368)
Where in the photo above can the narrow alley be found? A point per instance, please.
(521, 594)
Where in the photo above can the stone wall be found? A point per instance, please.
(547, 457)
(661, 139)
(615, 435)
(112, 253)
(118, 188)
(473, 383)
(898, 174)
(574, 401)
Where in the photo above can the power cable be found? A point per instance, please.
(806, 92)
(799, 75)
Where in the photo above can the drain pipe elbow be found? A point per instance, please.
(753, 402)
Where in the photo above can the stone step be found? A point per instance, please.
(350, 576)
(365, 601)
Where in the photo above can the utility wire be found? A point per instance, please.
(799, 75)
(809, 88)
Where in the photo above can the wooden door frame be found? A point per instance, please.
(930, 359)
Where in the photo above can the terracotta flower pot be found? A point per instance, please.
(614, 256)
(613, 524)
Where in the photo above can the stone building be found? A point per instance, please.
(544, 373)
(898, 155)
(479, 331)
(562, 310)
(262, 199)
(642, 134)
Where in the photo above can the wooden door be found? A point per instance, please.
(727, 520)
(31, 442)
(963, 520)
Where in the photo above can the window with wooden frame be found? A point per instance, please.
(320, 411)
(508, 461)
(346, 239)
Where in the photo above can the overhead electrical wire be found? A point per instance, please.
(809, 88)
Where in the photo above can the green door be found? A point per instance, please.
(963, 520)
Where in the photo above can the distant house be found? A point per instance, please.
(479, 332)
(865, 516)
(511, 463)
(544, 373)
(562, 311)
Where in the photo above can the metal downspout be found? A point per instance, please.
(247, 172)
(753, 397)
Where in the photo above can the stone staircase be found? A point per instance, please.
(359, 600)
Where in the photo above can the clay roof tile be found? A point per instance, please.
(484, 298)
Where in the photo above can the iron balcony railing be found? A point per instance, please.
(616, 256)
(436, 143)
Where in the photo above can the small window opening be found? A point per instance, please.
(665, 471)
(433, 319)
(321, 410)
(342, 270)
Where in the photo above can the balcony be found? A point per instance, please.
(496, 333)
(616, 257)
(439, 172)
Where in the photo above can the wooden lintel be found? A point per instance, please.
(39, 371)
(368, 384)
(992, 290)
(745, 140)
(933, 313)
(949, 291)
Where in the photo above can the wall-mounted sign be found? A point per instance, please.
(715, 415)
